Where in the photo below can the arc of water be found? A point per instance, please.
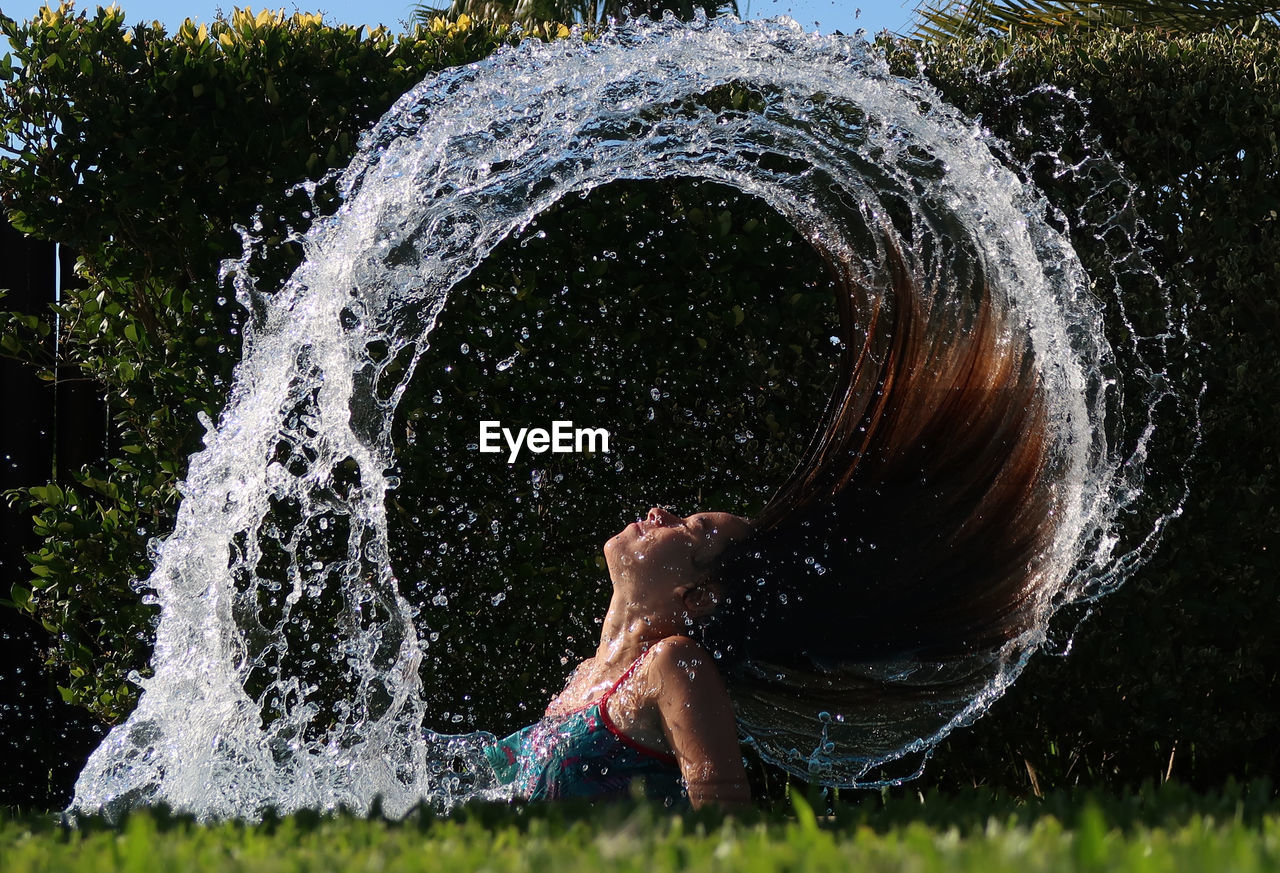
(463, 161)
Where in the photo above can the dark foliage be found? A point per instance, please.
(1175, 674)
(125, 153)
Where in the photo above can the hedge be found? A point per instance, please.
(143, 151)
(126, 156)
(1174, 675)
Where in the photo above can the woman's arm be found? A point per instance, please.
(697, 718)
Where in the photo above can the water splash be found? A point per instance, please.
(850, 155)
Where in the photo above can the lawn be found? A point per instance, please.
(1170, 828)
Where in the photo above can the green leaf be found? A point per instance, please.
(21, 596)
(804, 812)
(724, 222)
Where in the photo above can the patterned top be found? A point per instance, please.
(584, 754)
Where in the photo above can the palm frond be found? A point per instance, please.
(951, 19)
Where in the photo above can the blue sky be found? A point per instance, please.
(825, 15)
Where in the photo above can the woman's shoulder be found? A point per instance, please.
(681, 655)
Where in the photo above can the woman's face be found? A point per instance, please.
(667, 547)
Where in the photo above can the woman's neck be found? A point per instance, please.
(629, 630)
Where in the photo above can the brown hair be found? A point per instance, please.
(917, 523)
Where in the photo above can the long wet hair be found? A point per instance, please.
(915, 527)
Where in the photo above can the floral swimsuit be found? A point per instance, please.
(583, 754)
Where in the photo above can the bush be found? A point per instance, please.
(125, 155)
(1171, 673)
(143, 151)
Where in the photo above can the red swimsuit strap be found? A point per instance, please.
(621, 737)
(623, 678)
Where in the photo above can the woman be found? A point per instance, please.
(651, 705)
(890, 581)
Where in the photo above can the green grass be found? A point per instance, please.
(1169, 829)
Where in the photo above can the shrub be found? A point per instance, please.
(143, 151)
(1169, 677)
(124, 153)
